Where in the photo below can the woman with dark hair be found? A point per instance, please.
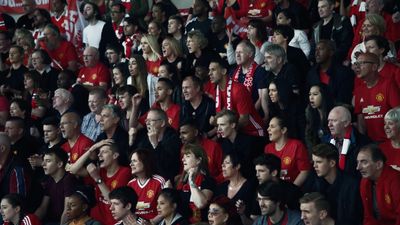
(22, 109)
(169, 71)
(237, 188)
(169, 208)
(222, 211)
(120, 75)
(320, 104)
(13, 213)
(195, 185)
(139, 76)
(283, 102)
(145, 181)
(300, 39)
(293, 154)
(78, 207)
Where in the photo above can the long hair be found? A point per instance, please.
(316, 120)
(199, 153)
(140, 80)
(154, 46)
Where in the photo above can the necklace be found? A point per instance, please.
(236, 186)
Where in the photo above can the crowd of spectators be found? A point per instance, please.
(241, 112)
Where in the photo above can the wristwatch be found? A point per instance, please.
(99, 181)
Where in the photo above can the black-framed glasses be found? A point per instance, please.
(359, 63)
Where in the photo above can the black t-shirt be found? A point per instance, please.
(201, 115)
(326, 31)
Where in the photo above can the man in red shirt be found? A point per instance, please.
(107, 176)
(379, 188)
(164, 91)
(374, 97)
(234, 96)
(61, 52)
(76, 143)
(94, 73)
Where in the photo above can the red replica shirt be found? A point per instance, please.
(240, 101)
(147, 196)
(59, 22)
(209, 89)
(172, 113)
(294, 158)
(214, 155)
(81, 146)
(101, 211)
(94, 75)
(152, 66)
(392, 154)
(30, 219)
(62, 55)
(391, 71)
(373, 103)
(387, 197)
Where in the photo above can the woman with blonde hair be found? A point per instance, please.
(151, 53)
(24, 38)
(172, 53)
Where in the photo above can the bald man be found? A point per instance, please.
(346, 138)
(94, 73)
(76, 143)
(374, 97)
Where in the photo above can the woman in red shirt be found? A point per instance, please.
(293, 154)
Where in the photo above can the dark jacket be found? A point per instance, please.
(342, 34)
(341, 81)
(343, 196)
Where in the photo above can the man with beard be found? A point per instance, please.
(270, 197)
(97, 33)
(61, 52)
(76, 143)
(200, 19)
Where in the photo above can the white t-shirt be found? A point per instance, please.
(92, 34)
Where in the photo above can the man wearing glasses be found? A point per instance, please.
(374, 97)
(163, 141)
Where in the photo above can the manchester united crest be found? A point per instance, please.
(150, 194)
(287, 160)
(114, 184)
(380, 97)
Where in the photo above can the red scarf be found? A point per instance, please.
(248, 80)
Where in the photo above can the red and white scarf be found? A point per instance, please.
(345, 147)
(218, 104)
(248, 79)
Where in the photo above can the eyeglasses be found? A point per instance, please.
(151, 120)
(359, 63)
(214, 212)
